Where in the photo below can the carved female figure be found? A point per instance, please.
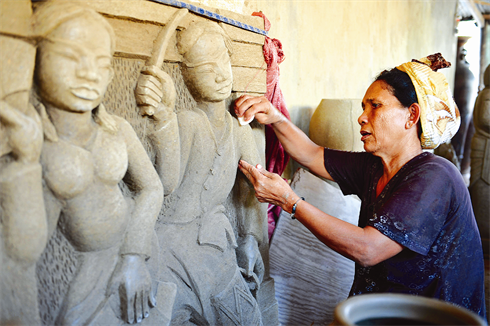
(201, 253)
(23, 226)
(480, 163)
(86, 153)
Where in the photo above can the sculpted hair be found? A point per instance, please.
(47, 18)
(188, 37)
(50, 15)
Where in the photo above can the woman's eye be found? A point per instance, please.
(68, 54)
(104, 63)
(205, 69)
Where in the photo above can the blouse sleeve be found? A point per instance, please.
(351, 170)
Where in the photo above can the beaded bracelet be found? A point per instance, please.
(293, 211)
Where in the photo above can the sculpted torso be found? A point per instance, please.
(86, 154)
(203, 255)
(208, 163)
(86, 180)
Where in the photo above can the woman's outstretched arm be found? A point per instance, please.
(294, 141)
(366, 246)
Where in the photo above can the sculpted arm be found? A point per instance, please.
(252, 215)
(21, 194)
(294, 141)
(131, 276)
(155, 94)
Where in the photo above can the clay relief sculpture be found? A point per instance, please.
(23, 226)
(215, 270)
(86, 153)
(480, 163)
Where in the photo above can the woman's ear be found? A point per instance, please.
(414, 117)
(111, 73)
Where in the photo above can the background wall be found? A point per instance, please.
(335, 48)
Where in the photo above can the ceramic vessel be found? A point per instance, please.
(402, 309)
(334, 124)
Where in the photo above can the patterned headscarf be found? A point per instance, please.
(439, 115)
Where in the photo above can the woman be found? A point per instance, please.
(417, 232)
(86, 153)
(201, 253)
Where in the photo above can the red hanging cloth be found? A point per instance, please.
(276, 156)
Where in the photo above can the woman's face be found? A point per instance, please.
(383, 121)
(207, 69)
(74, 65)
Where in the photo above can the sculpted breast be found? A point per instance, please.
(110, 157)
(67, 169)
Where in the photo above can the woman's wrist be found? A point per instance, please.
(290, 201)
(278, 119)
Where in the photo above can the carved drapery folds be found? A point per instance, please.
(92, 127)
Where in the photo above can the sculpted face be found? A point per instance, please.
(208, 69)
(382, 121)
(74, 65)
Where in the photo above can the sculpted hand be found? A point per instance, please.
(24, 133)
(132, 281)
(247, 106)
(250, 262)
(269, 187)
(155, 93)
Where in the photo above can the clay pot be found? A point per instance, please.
(334, 124)
(402, 309)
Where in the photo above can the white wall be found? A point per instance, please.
(335, 48)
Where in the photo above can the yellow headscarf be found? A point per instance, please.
(439, 115)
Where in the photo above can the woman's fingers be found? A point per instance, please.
(264, 172)
(239, 101)
(249, 171)
(248, 106)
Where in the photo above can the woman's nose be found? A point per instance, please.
(362, 120)
(223, 72)
(88, 70)
(220, 78)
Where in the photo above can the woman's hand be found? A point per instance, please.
(250, 262)
(155, 93)
(269, 187)
(132, 282)
(23, 131)
(248, 107)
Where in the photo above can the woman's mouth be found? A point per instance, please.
(364, 135)
(85, 93)
(225, 89)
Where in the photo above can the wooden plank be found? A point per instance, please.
(249, 80)
(148, 11)
(242, 35)
(15, 17)
(247, 55)
(135, 39)
(142, 10)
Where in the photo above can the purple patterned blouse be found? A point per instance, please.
(427, 209)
